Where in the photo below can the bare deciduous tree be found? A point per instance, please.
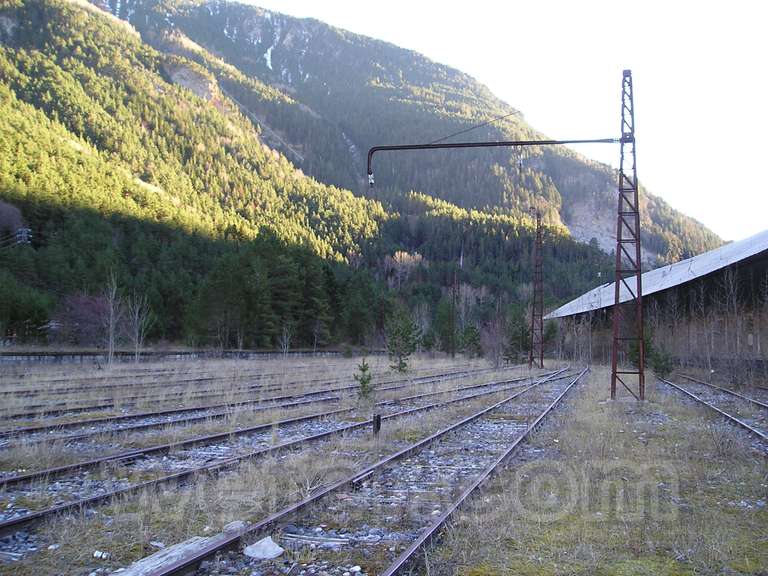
(729, 308)
(112, 315)
(317, 330)
(704, 316)
(285, 338)
(140, 321)
(79, 320)
(10, 218)
(492, 335)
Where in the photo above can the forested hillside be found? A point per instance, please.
(118, 171)
(362, 92)
(147, 161)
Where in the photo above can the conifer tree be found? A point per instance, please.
(402, 338)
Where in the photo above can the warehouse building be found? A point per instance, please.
(709, 311)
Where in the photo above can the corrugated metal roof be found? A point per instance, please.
(668, 276)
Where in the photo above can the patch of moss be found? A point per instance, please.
(518, 567)
(409, 436)
(648, 566)
(481, 570)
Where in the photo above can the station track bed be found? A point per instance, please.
(743, 411)
(88, 428)
(376, 520)
(74, 405)
(77, 489)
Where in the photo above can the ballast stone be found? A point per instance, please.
(235, 527)
(264, 549)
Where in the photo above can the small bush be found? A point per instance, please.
(661, 362)
(365, 379)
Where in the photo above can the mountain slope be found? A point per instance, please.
(119, 95)
(119, 170)
(160, 166)
(369, 92)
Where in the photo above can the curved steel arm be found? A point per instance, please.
(496, 144)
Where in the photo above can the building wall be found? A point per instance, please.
(717, 322)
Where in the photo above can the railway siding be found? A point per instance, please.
(165, 470)
(742, 411)
(430, 472)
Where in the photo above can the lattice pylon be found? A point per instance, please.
(628, 352)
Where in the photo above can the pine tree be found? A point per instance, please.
(470, 341)
(402, 338)
(364, 378)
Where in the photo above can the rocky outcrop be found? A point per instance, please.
(195, 80)
(7, 26)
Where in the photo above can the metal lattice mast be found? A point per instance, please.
(536, 353)
(628, 344)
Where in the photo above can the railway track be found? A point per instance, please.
(755, 401)
(170, 380)
(744, 412)
(9, 480)
(182, 384)
(408, 496)
(109, 381)
(64, 408)
(176, 416)
(182, 460)
(71, 406)
(130, 455)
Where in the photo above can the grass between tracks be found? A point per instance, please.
(27, 457)
(619, 488)
(165, 384)
(127, 528)
(229, 383)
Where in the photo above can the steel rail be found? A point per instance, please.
(17, 431)
(723, 413)
(108, 419)
(12, 525)
(226, 540)
(428, 534)
(141, 372)
(138, 386)
(67, 438)
(129, 455)
(181, 394)
(726, 390)
(256, 375)
(239, 391)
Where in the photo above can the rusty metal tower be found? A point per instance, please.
(536, 353)
(628, 352)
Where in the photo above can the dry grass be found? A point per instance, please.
(36, 456)
(255, 489)
(162, 385)
(619, 488)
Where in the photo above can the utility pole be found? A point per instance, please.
(454, 324)
(628, 316)
(536, 352)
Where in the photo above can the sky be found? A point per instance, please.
(698, 70)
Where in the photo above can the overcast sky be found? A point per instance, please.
(698, 71)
